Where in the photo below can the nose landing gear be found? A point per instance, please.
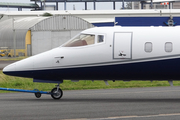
(56, 93)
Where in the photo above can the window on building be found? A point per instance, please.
(81, 40)
(100, 38)
(168, 47)
(148, 47)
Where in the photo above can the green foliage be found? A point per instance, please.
(47, 14)
(26, 83)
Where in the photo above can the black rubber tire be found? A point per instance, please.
(56, 95)
(38, 94)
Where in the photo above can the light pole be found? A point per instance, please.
(14, 37)
(44, 1)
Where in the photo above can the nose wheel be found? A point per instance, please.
(56, 93)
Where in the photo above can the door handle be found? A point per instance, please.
(60, 57)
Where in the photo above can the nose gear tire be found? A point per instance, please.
(56, 93)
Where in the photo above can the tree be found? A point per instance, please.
(128, 5)
(47, 14)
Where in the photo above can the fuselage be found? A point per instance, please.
(108, 53)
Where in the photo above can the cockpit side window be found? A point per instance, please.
(100, 38)
(81, 40)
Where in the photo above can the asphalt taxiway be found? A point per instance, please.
(5, 63)
(160, 103)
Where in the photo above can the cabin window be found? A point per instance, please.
(81, 40)
(168, 47)
(148, 47)
(100, 38)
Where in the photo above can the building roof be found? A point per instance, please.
(91, 0)
(96, 16)
(61, 23)
(27, 22)
(22, 5)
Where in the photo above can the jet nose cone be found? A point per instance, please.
(10, 68)
(22, 68)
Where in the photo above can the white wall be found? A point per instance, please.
(47, 40)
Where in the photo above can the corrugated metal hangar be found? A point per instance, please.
(55, 31)
(34, 35)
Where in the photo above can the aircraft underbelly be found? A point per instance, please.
(152, 70)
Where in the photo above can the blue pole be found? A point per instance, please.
(94, 5)
(28, 91)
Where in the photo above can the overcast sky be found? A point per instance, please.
(78, 6)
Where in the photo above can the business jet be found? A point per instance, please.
(107, 53)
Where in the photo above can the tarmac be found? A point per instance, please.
(5, 63)
(159, 103)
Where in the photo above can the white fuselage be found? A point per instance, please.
(124, 53)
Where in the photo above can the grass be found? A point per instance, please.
(26, 83)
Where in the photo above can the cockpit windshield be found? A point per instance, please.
(81, 40)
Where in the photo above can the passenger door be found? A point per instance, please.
(122, 45)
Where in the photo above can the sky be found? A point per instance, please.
(78, 6)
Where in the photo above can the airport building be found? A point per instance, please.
(35, 5)
(32, 35)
